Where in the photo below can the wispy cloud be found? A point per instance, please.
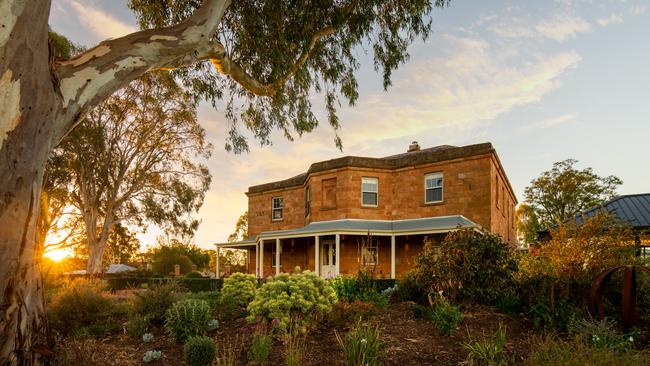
(101, 24)
(558, 27)
(615, 18)
(550, 122)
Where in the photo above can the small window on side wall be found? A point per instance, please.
(278, 206)
(433, 186)
(369, 192)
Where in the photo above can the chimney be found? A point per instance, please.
(414, 146)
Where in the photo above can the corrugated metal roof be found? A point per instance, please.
(633, 209)
(432, 224)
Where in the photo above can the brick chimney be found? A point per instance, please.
(414, 146)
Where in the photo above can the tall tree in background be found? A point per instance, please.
(526, 223)
(122, 246)
(564, 191)
(241, 229)
(271, 57)
(131, 161)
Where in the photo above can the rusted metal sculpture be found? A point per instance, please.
(597, 294)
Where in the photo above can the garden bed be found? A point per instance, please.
(406, 341)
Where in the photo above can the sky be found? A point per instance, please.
(542, 81)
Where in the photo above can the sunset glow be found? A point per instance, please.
(58, 255)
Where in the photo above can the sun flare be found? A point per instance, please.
(58, 255)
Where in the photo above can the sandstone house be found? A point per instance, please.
(320, 220)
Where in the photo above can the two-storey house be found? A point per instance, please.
(319, 220)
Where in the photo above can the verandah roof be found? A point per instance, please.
(425, 225)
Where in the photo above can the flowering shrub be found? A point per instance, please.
(188, 318)
(298, 295)
(239, 287)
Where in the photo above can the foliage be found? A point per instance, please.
(467, 265)
(409, 289)
(526, 223)
(241, 229)
(151, 356)
(561, 193)
(122, 179)
(199, 351)
(213, 324)
(229, 309)
(557, 315)
(444, 316)
(154, 302)
(346, 313)
(147, 337)
(230, 260)
(554, 351)
(509, 303)
(240, 287)
(122, 245)
(361, 345)
(227, 355)
(602, 334)
(361, 287)
(292, 50)
(212, 297)
(346, 288)
(294, 345)
(260, 347)
(81, 308)
(137, 326)
(487, 351)
(168, 253)
(303, 295)
(194, 275)
(187, 318)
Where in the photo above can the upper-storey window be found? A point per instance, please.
(369, 192)
(278, 206)
(433, 187)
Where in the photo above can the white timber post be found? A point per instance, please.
(218, 272)
(392, 256)
(257, 259)
(316, 254)
(262, 259)
(277, 256)
(337, 252)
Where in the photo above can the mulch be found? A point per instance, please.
(407, 341)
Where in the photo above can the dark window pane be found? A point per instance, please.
(434, 195)
(369, 198)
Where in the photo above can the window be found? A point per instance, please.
(273, 257)
(278, 206)
(369, 191)
(307, 201)
(370, 254)
(433, 187)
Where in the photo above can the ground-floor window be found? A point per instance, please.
(370, 254)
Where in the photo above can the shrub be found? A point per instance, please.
(194, 275)
(362, 287)
(240, 287)
(151, 356)
(601, 334)
(346, 288)
(509, 303)
(557, 316)
(165, 259)
(154, 302)
(409, 289)
(361, 345)
(82, 308)
(147, 337)
(344, 314)
(294, 345)
(299, 295)
(228, 309)
(199, 351)
(212, 297)
(260, 347)
(137, 326)
(188, 318)
(227, 354)
(467, 265)
(488, 351)
(553, 351)
(200, 284)
(445, 316)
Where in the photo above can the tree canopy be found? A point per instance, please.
(564, 191)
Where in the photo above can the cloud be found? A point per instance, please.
(550, 122)
(560, 26)
(563, 27)
(615, 18)
(101, 24)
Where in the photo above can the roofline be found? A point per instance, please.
(415, 159)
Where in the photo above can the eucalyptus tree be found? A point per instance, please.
(132, 161)
(264, 59)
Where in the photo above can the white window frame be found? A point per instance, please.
(435, 175)
(280, 208)
(376, 182)
(367, 253)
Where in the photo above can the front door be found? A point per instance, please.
(328, 259)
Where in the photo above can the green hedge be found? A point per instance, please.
(191, 284)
